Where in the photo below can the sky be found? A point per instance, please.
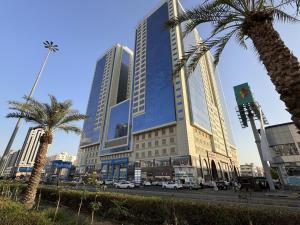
(84, 30)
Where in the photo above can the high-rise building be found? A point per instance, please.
(106, 131)
(10, 164)
(168, 126)
(26, 158)
(177, 121)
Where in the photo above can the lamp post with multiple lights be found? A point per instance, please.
(51, 48)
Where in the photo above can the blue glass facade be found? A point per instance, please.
(124, 74)
(116, 169)
(119, 121)
(159, 100)
(224, 108)
(198, 105)
(91, 132)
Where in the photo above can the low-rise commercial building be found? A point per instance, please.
(284, 142)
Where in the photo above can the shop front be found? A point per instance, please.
(115, 169)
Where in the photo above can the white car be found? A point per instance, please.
(172, 185)
(124, 184)
(146, 183)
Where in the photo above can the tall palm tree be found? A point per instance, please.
(49, 117)
(242, 19)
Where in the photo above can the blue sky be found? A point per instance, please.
(84, 30)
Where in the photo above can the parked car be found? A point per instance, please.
(208, 184)
(124, 184)
(222, 185)
(156, 183)
(147, 183)
(172, 185)
(191, 186)
(108, 182)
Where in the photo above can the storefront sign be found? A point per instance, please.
(61, 164)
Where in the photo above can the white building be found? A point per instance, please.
(25, 161)
(247, 170)
(64, 156)
(284, 142)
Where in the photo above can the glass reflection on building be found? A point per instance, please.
(91, 128)
(159, 96)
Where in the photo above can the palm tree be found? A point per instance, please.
(242, 19)
(49, 117)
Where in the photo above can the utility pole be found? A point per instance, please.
(51, 48)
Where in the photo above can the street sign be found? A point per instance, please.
(243, 94)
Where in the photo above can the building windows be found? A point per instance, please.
(172, 140)
(171, 130)
(137, 155)
(156, 152)
(156, 142)
(143, 136)
(163, 131)
(149, 153)
(156, 133)
(163, 141)
(143, 145)
(137, 137)
(149, 135)
(137, 146)
(172, 150)
(143, 154)
(149, 144)
(164, 151)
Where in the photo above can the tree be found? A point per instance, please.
(49, 117)
(242, 19)
(95, 206)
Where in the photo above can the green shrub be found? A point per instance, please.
(157, 211)
(12, 213)
(63, 217)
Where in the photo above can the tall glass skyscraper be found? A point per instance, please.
(106, 131)
(142, 116)
(179, 123)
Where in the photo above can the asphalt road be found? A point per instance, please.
(277, 199)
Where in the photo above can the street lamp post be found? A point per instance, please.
(51, 48)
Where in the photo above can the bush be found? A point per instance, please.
(158, 211)
(64, 217)
(12, 213)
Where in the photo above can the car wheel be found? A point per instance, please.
(175, 188)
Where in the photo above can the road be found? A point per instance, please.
(277, 199)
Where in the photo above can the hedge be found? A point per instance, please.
(157, 211)
(12, 213)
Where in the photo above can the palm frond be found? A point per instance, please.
(221, 45)
(49, 116)
(283, 16)
(69, 128)
(240, 38)
(27, 116)
(72, 117)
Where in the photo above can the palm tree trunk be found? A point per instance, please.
(282, 66)
(39, 165)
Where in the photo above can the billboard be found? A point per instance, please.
(243, 94)
(61, 164)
